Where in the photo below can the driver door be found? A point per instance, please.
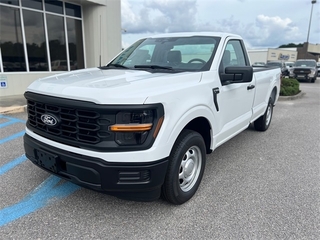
(235, 99)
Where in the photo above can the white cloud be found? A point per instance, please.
(156, 16)
(274, 30)
(262, 23)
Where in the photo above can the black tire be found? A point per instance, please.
(313, 80)
(263, 122)
(186, 166)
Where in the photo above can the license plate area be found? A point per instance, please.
(301, 76)
(47, 160)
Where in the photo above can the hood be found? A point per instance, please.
(111, 86)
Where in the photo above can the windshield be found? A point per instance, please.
(305, 63)
(173, 53)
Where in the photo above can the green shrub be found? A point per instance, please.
(289, 87)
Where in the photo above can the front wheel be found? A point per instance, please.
(263, 122)
(186, 166)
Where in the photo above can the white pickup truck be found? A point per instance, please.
(141, 126)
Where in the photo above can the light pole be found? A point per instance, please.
(312, 2)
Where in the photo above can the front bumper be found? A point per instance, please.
(303, 77)
(136, 181)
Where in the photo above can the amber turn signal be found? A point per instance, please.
(131, 127)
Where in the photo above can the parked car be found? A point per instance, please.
(289, 65)
(318, 67)
(59, 65)
(281, 65)
(258, 64)
(305, 69)
(140, 127)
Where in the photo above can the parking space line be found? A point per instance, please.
(2, 125)
(37, 199)
(12, 137)
(51, 188)
(11, 121)
(5, 168)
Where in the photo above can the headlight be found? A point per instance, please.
(313, 72)
(133, 127)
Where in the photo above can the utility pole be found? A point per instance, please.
(312, 2)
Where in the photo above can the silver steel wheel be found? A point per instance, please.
(186, 165)
(190, 167)
(268, 115)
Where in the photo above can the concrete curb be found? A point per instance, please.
(297, 96)
(13, 109)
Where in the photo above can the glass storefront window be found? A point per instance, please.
(73, 10)
(11, 43)
(39, 41)
(11, 2)
(36, 41)
(36, 4)
(54, 6)
(57, 43)
(75, 44)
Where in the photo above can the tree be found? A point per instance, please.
(291, 45)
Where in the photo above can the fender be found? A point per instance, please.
(174, 128)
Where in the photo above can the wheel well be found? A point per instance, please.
(274, 94)
(202, 126)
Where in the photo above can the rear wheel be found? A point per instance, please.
(263, 122)
(186, 166)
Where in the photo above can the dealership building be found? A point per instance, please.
(306, 51)
(39, 38)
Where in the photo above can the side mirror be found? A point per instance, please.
(236, 75)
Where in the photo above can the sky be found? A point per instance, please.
(261, 23)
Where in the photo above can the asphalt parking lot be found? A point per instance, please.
(256, 186)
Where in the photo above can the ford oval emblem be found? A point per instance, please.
(49, 119)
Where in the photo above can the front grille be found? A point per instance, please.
(75, 124)
(79, 124)
(302, 71)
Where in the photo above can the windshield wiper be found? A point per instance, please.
(153, 67)
(117, 65)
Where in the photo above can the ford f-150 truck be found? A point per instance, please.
(305, 69)
(140, 127)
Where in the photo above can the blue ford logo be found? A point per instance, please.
(49, 119)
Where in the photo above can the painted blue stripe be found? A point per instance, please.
(12, 119)
(2, 125)
(37, 199)
(11, 137)
(5, 168)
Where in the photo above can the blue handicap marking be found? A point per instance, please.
(39, 198)
(3, 84)
(10, 121)
(53, 188)
(12, 137)
(5, 168)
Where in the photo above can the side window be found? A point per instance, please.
(201, 52)
(233, 55)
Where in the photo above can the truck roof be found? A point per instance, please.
(190, 34)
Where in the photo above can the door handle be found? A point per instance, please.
(251, 87)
